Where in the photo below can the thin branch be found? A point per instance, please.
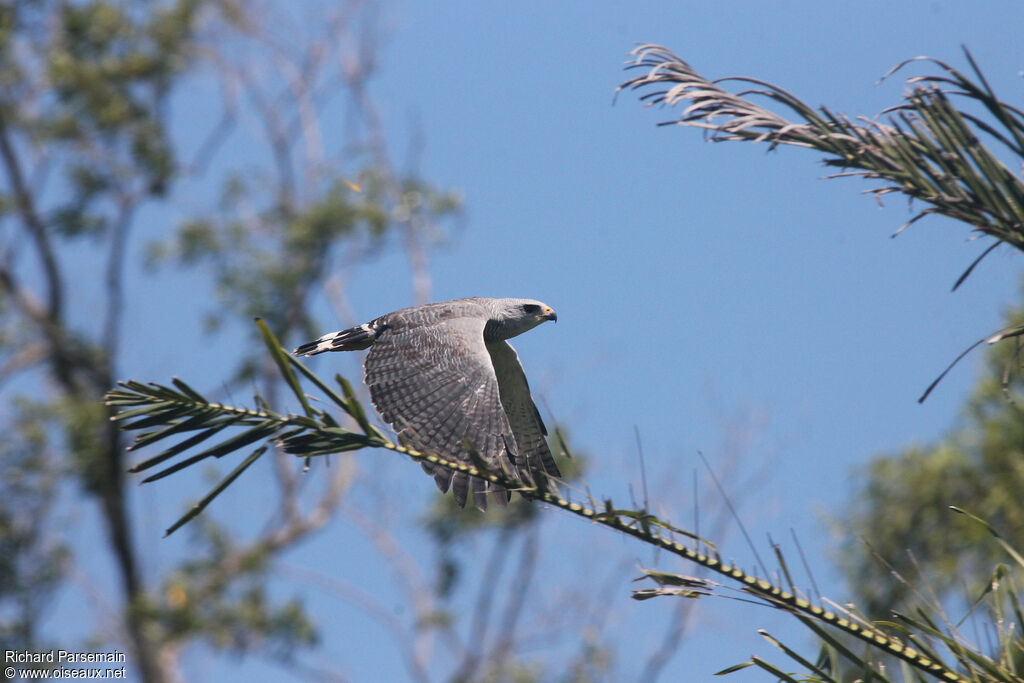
(476, 647)
(416, 667)
(33, 223)
(114, 279)
(70, 361)
(517, 593)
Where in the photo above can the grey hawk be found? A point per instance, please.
(444, 377)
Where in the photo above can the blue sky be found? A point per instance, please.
(714, 298)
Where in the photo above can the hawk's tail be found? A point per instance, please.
(352, 339)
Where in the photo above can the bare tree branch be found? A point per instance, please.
(33, 223)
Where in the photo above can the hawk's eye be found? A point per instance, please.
(531, 308)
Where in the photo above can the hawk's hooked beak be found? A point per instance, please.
(548, 314)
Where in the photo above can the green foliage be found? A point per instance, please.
(108, 67)
(182, 410)
(933, 634)
(32, 561)
(267, 259)
(222, 594)
(84, 143)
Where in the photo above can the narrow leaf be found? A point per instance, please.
(355, 409)
(193, 423)
(224, 483)
(155, 414)
(223, 448)
(189, 391)
(281, 357)
(178, 448)
(320, 384)
(831, 640)
(792, 654)
(1011, 551)
(945, 372)
(734, 668)
(974, 263)
(774, 670)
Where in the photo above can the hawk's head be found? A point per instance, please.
(511, 317)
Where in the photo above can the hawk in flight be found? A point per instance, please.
(444, 376)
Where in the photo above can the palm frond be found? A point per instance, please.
(926, 148)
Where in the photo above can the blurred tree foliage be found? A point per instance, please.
(284, 186)
(86, 94)
(83, 144)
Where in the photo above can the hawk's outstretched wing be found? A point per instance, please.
(434, 382)
(533, 454)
